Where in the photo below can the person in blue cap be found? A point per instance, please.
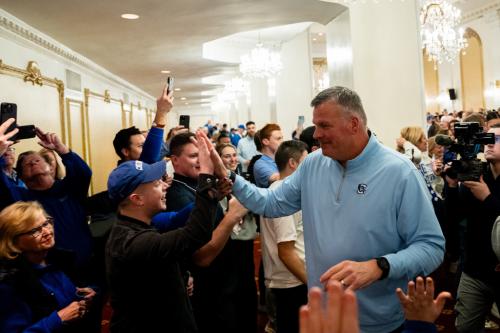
(148, 291)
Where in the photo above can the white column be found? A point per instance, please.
(260, 105)
(294, 87)
(387, 69)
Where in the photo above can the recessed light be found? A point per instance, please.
(186, 103)
(165, 71)
(183, 98)
(315, 39)
(320, 34)
(130, 16)
(177, 89)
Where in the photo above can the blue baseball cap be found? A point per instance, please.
(124, 179)
(241, 126)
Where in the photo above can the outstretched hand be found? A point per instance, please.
(206, 165)
(339, 316)
(419, 303)
(5, 141)
(219, 168)
(51, 141)
(165, 102)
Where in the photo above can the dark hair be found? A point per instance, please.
(179, 141)
(344, 97)
(249, 123)
(287, 150)
(256, 140)
(223, 134)
(492, 115)
(307, 137)
(20, 159)
(122, 139)
(495, 126)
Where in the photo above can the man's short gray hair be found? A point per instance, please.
(343, 96)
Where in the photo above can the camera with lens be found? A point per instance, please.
(469, 140)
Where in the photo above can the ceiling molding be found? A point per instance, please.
(480, 12)
(27, 33)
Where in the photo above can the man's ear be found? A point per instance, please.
(174, 159)
(125, 152)
(355, 124)
(136, 199)
(265, 142)
(292, 164)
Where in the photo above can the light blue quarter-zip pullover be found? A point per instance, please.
(376, 206)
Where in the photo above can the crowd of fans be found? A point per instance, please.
(171, 242)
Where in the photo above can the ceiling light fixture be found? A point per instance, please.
(183, 98)
(165, 71)
(177, 89)
(130, 16)
(440, 38)
(261, 63)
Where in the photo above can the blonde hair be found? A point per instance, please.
(60, 171)
(431, 144)
(412, 134)
(14, 220)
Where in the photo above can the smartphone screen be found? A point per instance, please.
(8, 110)
(300, 121)
(184, 121)
(170, 83)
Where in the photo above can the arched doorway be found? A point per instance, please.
(471, 72)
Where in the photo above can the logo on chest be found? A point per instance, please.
(362, 188)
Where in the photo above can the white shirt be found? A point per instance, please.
(279, 230)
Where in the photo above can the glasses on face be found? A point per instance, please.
(497, 139)
(11, 149)
(38, 231)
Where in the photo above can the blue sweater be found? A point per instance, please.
(376, 206)
(64, 202)
(16, 315)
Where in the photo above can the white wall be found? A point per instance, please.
(339, 51)
(387, 65)
(294, 87)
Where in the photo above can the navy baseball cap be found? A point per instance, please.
(241, 126)
(129, 175)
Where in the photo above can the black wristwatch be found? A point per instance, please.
(384, 265)
(231, 175)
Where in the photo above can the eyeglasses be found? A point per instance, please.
(497, 139)
(37, 232)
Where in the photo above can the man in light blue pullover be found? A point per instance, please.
(368, 222)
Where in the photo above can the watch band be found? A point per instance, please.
(158, 125)
(384, 265)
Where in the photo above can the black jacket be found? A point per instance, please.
(148, 293)
(480, 260)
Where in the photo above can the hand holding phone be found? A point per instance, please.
(170, 85)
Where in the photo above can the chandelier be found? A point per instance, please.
(261, 63)
(440, 38)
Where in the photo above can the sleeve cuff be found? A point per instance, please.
(205, 183)
(54, 321)
(417, 326)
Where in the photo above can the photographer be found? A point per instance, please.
(479, 203)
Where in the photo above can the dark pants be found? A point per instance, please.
(288, 303)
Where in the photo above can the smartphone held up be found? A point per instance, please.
(9, 110)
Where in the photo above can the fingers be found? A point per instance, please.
(315, 310)
(333, 308)
(403, 299)
(429, 287)
(330, 272)
(441, 300)
(420, 290)
(6, 125)
(411, 290)
(304, 320)
(349, 313)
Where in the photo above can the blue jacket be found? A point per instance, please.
(376, 206)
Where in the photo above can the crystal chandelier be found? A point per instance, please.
(440, 38)
(261, 63)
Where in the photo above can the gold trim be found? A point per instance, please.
(86, 94)
(33, 74)
(107, 96)
(470, 33)
(131, 115)
(84, 126)
(124, 115)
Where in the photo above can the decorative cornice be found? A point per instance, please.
(479, 12)
(24, 31)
